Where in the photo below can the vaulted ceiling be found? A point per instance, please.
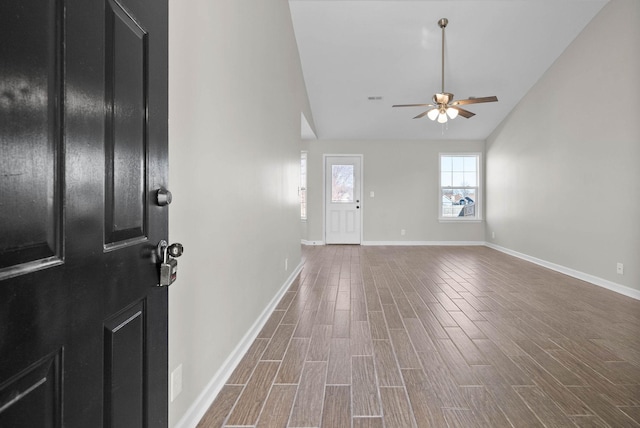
(390, 51)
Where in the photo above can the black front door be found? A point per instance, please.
(83, 149)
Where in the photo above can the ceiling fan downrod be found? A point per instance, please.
(443, 24)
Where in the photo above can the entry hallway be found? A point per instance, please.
(437, 337)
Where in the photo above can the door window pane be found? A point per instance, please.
(342, 183)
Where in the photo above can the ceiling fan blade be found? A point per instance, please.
(462, 112)
(475, 101)
(413, 105)
(423, 114)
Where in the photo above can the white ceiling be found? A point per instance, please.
(352, 50)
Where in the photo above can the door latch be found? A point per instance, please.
(168, 263)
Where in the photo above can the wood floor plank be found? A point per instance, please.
(279, 342)
(286, 300)
(557, 369)
(514, 408)
(503, 341)
(468, 309)
(254, 394)
(460, 370)
(462, 418)
(419, 337)
(619, 372)
(221, 407)
(305, 323)
(275, 413)
(392, 316)
(431, 324)
(404, 308)
(426, 405)
(320, 342)
(271, 325)
(307, 407)
(467, 325)
(364, 387)
(467, 348)
(361, 338)
(367, 422)
(442, 315)
(324, 315)
(386, 364)
(632, 412)
(343, 301)
(543, 406)
(482, 402)
(339, 368)
(378, 326)
(293, 361)
(508, 369)
(396, 408)
(358, 309)
(243, 371)
(588, 422)
(613, 415)
(341, 324)
(405, 353)
(337, 406)
(562, 396)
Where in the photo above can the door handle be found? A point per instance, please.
(168, 263)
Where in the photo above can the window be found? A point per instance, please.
(460, 186)
(303, 185)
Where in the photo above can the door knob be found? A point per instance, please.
(163, 197)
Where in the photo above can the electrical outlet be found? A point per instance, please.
(372, 194)
(286, 263)
(620, 268)
(403, 232)
(493, 235)
(176, 382)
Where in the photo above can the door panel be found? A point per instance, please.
(29, 107)
(343, 199)
(124, 368)
(125, 99)
(83, 135)
(34, 396)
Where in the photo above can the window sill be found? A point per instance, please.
(456, 220)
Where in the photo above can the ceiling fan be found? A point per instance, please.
(444, 107)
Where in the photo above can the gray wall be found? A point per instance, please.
(405, 177)
(236, 94)
(563, 170)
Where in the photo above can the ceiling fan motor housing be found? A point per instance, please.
(443, 98)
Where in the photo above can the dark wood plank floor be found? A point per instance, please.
(437, 337)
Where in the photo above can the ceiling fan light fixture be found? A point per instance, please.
(452, 113)
(442, 117)
(433, 114)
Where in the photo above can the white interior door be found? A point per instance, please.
(342, 199)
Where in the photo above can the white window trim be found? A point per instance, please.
(479, 198)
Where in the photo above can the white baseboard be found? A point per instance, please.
(202, 403)
(609, 285)
(305, 242)
(423, 243)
